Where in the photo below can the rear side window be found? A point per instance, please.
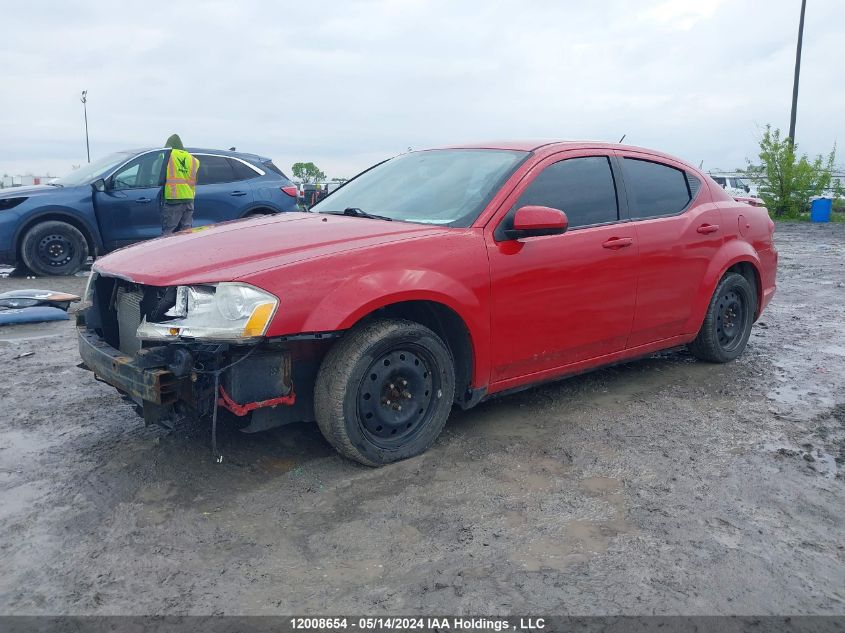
(582, 188)
(272, 167)
(654, 189)
(241, 171)
(214, 169)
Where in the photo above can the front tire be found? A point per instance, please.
(728, 322)
(54, 248)
(384, 391)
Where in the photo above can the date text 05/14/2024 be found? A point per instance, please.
(418, 624)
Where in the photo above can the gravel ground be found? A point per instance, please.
(660, 486)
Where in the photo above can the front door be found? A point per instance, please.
(128, 210)
(562, 299)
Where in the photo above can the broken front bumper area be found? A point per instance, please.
(192, 378)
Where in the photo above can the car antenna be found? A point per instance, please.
(622, 139)
(701, 164)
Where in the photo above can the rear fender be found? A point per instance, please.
(359, 297)
(731, 253)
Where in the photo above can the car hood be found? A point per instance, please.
(25, 192)
(231, 250)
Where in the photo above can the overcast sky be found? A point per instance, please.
(345, 84)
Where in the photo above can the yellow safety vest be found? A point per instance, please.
(181, 179)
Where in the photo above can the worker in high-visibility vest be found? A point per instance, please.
(177, 211)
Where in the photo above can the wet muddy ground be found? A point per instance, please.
(660, 486)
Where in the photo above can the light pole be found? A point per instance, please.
(797, 72)
(84, 100)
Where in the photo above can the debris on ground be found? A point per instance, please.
(661, 486)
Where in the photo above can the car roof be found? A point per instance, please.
(551, 146)
(202, 150)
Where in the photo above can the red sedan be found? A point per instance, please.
(437, 278)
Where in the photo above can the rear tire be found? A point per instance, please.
(54, 248)
(258, 213)
(384, 391)
(727, 325)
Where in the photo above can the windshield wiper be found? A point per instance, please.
(55, 184)
(355, 212)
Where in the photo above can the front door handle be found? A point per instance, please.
(704, 229)
(616, 243)
(238, 193)
(144, 200)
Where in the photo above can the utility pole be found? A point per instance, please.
(797, 72)
(84, 100)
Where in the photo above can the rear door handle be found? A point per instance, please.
(704, 229)
(616, 243)
(144, 200)
(238, 193)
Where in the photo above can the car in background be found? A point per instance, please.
(436, 278)
(735, 187)
(115, 202)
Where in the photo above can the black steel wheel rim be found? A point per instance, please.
(730, 319)
(398, 395)
(56, 250)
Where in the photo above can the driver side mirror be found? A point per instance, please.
(534, 221)
(99, 185)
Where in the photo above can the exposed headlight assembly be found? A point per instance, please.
(220, 312)
(88, 297)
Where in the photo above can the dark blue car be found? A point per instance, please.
(115, 201)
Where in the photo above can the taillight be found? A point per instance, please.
(291, 190)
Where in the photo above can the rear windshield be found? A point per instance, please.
(448, 187)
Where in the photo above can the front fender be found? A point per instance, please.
(358, 297)
(62, 213)
(732, 252)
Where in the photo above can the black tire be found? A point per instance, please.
(727, 324)
(384, 391)
(258, 213)
(54, 248)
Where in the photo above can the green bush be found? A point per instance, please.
(786, 181)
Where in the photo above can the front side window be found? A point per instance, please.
(214, 169)
(142, 173)
(448, 187)
(654, 189)
(583, 188)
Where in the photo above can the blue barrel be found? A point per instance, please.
(820, 210)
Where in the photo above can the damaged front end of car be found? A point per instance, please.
(185, 351)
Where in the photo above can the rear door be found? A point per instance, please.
(223, 191)
(562, 299)
(678, 230)
(128, 210)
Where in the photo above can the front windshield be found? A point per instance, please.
(448, 187)
(95, 170)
